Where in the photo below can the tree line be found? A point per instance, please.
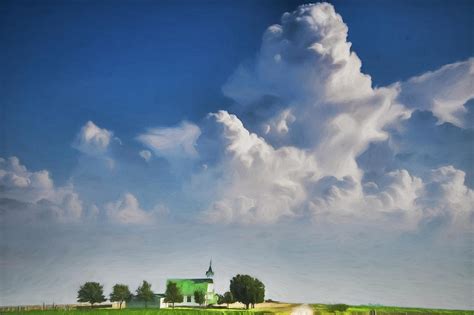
(93, 292)
(243, 288)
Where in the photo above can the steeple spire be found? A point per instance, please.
(209, 272)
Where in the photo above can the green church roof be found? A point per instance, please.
(200, 280)
(189, 286)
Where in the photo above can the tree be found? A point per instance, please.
(258, 292)
(120, 293)
(220, 299)
(172, 294)
(199, 297)
(144, 293)
(247, 290)
(91, 292)
(228, 298)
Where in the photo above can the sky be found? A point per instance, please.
(325, 148)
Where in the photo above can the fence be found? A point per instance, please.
(64, 307)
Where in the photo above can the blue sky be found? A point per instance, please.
(137, 118)
(135, 65)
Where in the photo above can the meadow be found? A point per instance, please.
(282, 309)
(321, 309)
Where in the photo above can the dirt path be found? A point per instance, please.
(303, 309)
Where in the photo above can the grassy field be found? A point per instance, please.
(321, 309)
(177, 311)
(275, 309)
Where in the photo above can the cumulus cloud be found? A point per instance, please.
(446, 196)
(309, 114)
(145, 154)
(391, 200)
(93, 140)
(306, 57)
(443, 92)
(172, 142)
(127, 210)
(31, 195)
(322, 100)
(263, 184)
(19, 183)
(325, 110)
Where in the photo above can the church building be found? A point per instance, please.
(187, 287)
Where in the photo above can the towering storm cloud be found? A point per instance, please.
(317, 114)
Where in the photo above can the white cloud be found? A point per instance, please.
(19, 183)
(93, 140)
(326, 111)
(145, 154)
(444, 92)
(398, 192)
(392, 198)
(33, 195)
(446, 196)
(313, 114)
(322, 100)
(173, 142)
(280, 124)
(306, 58)
(262, 184)
(126, 210)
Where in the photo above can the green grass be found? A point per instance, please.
(319, 309)
(150, 311)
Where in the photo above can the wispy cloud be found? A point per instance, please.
(172, 142)
(444, 92)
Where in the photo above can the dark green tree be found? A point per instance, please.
(247, 290)
(258, 292)
(91, 292)
(199, 297)
(172, 294)
(228, 298)
(144, 293)
(220, 299)
(120, 293)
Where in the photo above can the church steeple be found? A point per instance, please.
(209, 272)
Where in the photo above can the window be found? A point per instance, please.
(188, 298)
